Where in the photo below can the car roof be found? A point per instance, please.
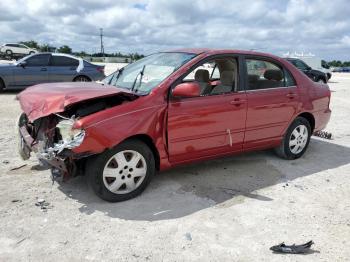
(58, 54)
(212, 51)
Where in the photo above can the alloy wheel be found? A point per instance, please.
(124, 172)
(298, 139)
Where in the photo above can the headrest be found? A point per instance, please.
(201, 75)
(226, 78)
(273, 74)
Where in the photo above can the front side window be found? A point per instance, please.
(216, 76)
(263, 74)
(147, 73)
(37, 60)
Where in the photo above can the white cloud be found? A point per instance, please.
(319, 26)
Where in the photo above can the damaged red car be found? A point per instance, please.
(167, 109)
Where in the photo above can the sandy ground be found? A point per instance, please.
(232, 209)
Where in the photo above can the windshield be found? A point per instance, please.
(23, 59)
(145, 74)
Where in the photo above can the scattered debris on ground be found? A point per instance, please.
(6, 162)
(18, 167)
(293, 249)
(44, 206)
(16, 200)
(188, 236)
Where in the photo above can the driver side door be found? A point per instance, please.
(206, 126)
(34, 71)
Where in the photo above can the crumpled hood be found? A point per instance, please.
(45, 99)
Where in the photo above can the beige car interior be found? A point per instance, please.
(228, 74)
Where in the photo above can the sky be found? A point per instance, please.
(146, 26)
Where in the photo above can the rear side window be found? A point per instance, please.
(38, 60)
(63, 61)
(263, 74)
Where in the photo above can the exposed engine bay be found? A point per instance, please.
(52, 137)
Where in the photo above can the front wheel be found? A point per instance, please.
(296, 139)
(121, 173)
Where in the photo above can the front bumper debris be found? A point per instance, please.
(48, 159)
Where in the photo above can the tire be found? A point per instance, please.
(115, 178)
(9, 52)
(289, 151)
(321, 81)
(31, 52)
(82, 79)
(2, 86)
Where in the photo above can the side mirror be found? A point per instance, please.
(22, 64)
(190, 89)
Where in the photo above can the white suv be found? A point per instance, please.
(16, 49)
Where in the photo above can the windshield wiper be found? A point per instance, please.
(140, 73)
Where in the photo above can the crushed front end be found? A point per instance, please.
(51, 139)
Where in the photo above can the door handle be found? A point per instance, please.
(43, 69)
(291, 95)
(237, 102)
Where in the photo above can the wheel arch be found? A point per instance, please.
(149, 142)
(310, 118)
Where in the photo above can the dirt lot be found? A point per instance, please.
(231, 209)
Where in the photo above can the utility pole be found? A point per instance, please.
(102, 48)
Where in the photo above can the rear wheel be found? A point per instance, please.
(296, 139)
(9, 52)
(82, 79)
(2, 85)
(121, 173)
(31, 52)
(321, 81)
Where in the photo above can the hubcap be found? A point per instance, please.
(298, 139)
(124, 172)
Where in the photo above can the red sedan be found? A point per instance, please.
(167, 109)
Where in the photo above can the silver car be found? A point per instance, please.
(47, 68)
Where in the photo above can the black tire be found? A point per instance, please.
(31, 52)
(284, 150)
(9, 52)
(2, 86)
(82, 79)
(95, 168)
(322, 80)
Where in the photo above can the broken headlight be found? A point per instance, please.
(71, 137)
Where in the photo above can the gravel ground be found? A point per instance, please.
(231, 209)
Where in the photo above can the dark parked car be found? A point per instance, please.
(46, 68)
(169, 109)
(313, 74)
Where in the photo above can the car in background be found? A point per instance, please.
(313, 74)
(168, 109)
(47, 68)
(16, 49)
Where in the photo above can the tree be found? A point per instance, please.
(31, 44)
(64, 49)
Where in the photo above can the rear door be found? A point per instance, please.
(272, 101)
(35, 71)
(62, 68)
